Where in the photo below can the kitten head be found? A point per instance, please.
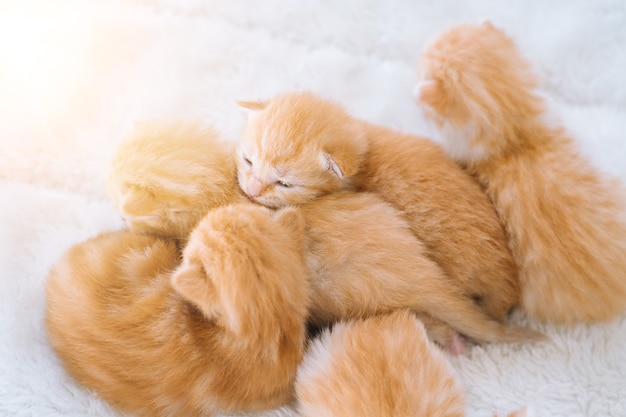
(342, 371)
(165, 177)
(477, 88)
(243, 266)
(296, 147)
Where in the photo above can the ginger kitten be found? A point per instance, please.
(297, 147)
(223, 332)
(566, 221)
(166, 176)
(380, 366)
(364, 259)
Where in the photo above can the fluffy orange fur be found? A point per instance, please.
(165, 177)
(222, 332)
(364, 259)
(139, 161)
(297, 147)
(390, 262)
(565, 220)
(380, 366)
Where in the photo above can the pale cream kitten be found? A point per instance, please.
(166, 176)
(364, 259)
(297, 147)
(380, 366)
(223, 332)
(565, 220)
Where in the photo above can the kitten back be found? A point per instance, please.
(563, 217)
(360, 267)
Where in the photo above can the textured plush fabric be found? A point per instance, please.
(76, 75)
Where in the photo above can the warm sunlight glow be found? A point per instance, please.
(41, 60)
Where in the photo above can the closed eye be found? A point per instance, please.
(284, 184)
(246, 160)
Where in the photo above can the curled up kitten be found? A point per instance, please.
(565, 220)
(224, 331)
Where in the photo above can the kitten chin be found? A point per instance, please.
(460, 143)
(564, 219)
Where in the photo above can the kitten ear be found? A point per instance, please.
(487, 24)
(432, 94)
(419, 87)
(331, 165)
(252, 107)
(343, 157)
(191, 283)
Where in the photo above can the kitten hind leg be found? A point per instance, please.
(442, 334)
(444, 301)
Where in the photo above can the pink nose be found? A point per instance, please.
(255, 187)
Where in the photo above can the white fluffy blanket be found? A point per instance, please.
(76, 75)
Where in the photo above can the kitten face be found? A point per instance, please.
(473, 85)
(280, 180)
(291, 150)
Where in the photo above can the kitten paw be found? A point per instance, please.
(456, 345)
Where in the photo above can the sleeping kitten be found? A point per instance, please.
(364, 259)
(380, 366)
(166, 176)
(566, 222)
(223, 332)
(298, 147)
